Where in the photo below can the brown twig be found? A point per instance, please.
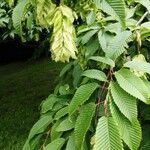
(102, 90)
(106, 108)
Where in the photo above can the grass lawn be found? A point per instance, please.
(23, 86)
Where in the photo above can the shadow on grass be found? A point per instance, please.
(22, 88)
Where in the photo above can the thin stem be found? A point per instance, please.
(97, 109)
(47, 135)
(100, 103)
(103, 89)
(106, 108)
(139, 43)
(142, 18)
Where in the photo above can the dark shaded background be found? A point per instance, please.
(14, 50)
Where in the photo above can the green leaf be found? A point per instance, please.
(130, 133)
(55, 134)
(71, 143)
(30, 23)
(88, 36)
(48, 104)
(77, 71)
(61, 113)
(40, 126)
(18, 15)
(55, 145)
(32, 144)
(145, 3)
(82, 94)
(139, 66)
(125, 102)
(145, 30)
(10, 2)
(65, 69)
(60, 104)
(83, 123)
(115, 8)
(147, 83)
(107, 135)
(65, 125)
(104, 38)
(64, 89)
(91, 17)
(104, 60)
(83, 29)
(113, 28)
(146, 25)
(91, 48)
(45, 10)
(95, 74)
(133, 85)
(118, 44)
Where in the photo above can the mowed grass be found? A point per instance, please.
(23, 86)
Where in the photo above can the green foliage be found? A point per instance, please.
(29, 145)
(65, 125)
(88, 36)
(129, 131)
(54, 134)
(139, 66)
(83, 123)
(71, 143)
(95, 74)
(56, 144)
(48, 104)
(117, 45)
(116, 8)
(44, 11)
(125, 102)
(82, 94)
(4, 18)
(18, 15)
(107, 135)
(145, 3)
(40, 126)
(109, 70)
(133, 85)
(61, 113)
(104, 60)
